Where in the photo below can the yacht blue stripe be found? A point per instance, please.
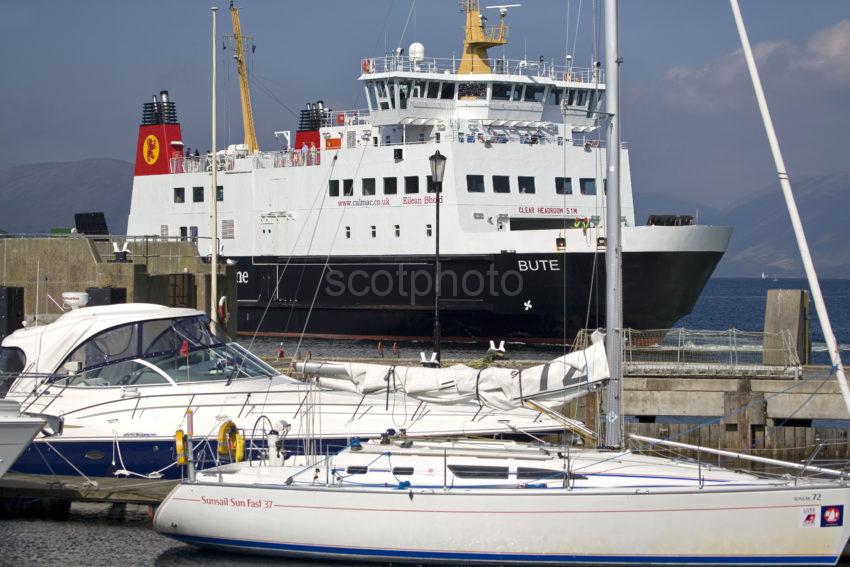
(512, 557)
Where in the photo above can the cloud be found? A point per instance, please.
(786, 67)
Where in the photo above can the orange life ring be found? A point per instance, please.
(365, 66)
(340, 118)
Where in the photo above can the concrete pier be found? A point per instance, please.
(165, 271)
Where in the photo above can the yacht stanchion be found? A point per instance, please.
(190, 454)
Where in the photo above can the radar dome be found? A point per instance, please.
(75, 299)
(416, 53)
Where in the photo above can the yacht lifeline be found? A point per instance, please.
(334, 235)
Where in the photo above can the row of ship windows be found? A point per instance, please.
(429, 231)
(474, 184)
(387, 94)
(197, 194)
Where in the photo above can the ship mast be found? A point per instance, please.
(244, 90)
(478, 38)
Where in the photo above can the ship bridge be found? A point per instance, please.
(413, 90)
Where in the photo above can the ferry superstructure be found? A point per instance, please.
(334, 235)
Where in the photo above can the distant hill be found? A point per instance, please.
(41, 196)
(763, 240)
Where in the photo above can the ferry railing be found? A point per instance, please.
(499, 66)
(688, 352)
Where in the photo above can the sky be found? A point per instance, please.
(75, 74)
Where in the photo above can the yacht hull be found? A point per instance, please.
(785, 525)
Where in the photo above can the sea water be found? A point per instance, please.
(94, 534)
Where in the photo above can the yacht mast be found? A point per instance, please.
(614, 431)
(785, 183)
(214, 197)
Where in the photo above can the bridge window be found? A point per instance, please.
(472, 91)
(179, 195)
(555, 96)
(502, 91)
(197, 194)
(563, 186)
(418, 90)
(571, 97)
(411, 184)
(501, 184)
(526, 184)
(534, 93)
(587, 186)
(390, 185)
(404, 90)
(475, 183)
(433, 89)
(333, 188)
(581, 98)
(347, 187)
(369, 186)
(448, 91)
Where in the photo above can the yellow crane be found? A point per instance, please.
(244, 90)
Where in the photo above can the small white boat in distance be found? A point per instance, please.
(500, 503)
(16, 432)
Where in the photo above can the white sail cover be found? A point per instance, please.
(562, 379)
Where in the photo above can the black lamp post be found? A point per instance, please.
(438, 167)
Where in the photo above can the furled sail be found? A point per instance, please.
(562, 379)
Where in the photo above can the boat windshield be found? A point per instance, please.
(158, 352)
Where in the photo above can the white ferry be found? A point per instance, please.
(334, 234)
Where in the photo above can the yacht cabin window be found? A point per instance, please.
(158, 352)
(12, 360)
(478, 471)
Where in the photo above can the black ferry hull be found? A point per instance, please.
(535, 298)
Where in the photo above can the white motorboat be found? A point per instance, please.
(16, 432)
(121, 378)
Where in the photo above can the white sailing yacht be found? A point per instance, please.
(501, 503)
